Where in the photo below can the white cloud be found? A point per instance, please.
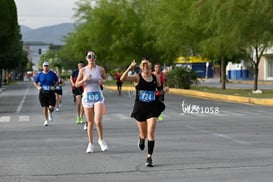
(40, 13)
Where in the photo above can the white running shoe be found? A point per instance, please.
(50, 115)
(90, 148)
(46, 123)
(85, 126)
(57, 109)
(103, 145)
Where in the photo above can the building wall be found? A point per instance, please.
(265, 69)
(268, 67)
(261, 74)
(238, 71)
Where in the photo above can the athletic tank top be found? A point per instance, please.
(93, 83)
(146, 88)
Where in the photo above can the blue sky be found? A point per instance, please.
(40, 13)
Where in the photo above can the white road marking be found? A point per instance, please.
(4, 119)
(24, 118)
(120, 116)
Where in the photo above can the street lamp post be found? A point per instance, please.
(207, 69)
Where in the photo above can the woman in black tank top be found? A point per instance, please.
(146, 108)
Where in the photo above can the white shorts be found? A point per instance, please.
(91, 98)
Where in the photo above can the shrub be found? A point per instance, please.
(182, 77)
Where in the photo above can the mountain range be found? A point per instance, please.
(50, 34)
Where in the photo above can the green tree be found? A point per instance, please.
(215, 29)
(115, 29)
(121, 30)
(255, 28)
(10, 38)
(11, 51)
(220, 37)
(238, 28)
(171, 24)
(52, 57)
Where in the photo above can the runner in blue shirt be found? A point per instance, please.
(46, 82)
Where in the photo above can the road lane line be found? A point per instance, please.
(19, 108)
(227, 137)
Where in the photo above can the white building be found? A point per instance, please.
(266, 66)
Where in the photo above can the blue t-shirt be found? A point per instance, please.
(46, 80)
(75, 74)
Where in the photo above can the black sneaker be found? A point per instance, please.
(141, 144)
(149, 162)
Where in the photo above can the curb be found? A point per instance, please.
(223, 97)
(212, 96)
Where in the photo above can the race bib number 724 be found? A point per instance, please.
(146, 96)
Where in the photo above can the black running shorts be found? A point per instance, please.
(47, 98)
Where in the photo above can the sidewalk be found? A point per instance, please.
(243, 84)
(214, 82)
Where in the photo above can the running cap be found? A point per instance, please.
(45, 64)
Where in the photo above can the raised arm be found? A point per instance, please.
(125, 77)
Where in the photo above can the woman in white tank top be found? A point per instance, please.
(93, 76)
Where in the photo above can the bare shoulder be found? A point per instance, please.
(100, 67)
(102, 70)
(82, 70)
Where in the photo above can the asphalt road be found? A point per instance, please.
(198, 140)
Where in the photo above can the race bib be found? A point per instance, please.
(94, 96)
(58, 88)
(46, 87)
(146, 96)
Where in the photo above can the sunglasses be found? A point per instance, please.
(91, 56)
(144, 64)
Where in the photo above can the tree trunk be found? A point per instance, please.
(223, 72)
(256, 72)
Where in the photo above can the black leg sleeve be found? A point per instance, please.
(151, 147)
